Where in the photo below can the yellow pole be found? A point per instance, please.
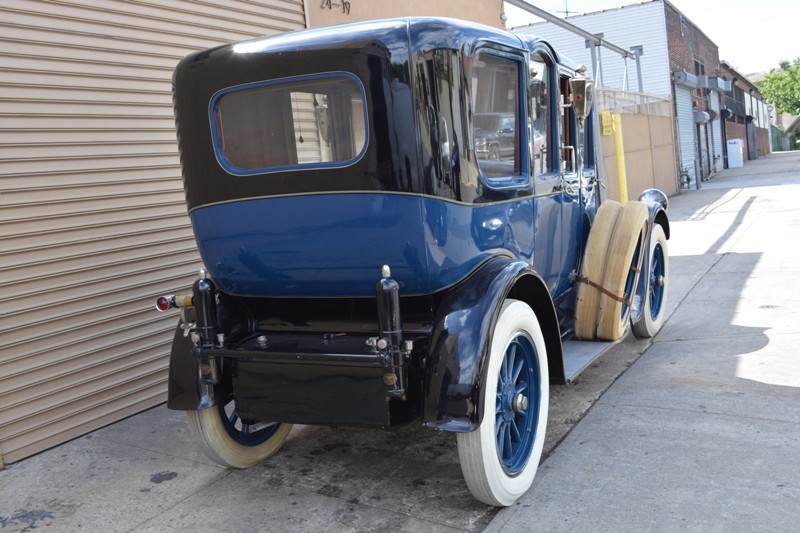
(622, 177)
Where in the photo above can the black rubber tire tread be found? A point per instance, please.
(629, 234)
(593, 267)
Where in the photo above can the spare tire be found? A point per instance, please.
(621, 274)
(593, 267)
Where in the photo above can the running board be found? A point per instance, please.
(580, 354)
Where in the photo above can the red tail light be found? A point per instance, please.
(164, 303)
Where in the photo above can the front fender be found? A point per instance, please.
(657, 205)
(462, 334)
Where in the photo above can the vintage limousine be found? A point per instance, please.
(365, 265)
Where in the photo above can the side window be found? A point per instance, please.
(496, 121)
(540, 120)
(444, 125)
(569, 135)
(587, 137)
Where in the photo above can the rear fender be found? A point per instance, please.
(185, 390)
(462, 333)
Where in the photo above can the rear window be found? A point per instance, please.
(309, 121)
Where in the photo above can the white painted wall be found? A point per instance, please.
(640, 24)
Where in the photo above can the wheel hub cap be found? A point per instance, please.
(510, 401)
(520, 403)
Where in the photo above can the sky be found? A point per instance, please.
(753, 37)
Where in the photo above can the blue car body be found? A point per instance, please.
(293, 245)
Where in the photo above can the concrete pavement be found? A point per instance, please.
(701, 433)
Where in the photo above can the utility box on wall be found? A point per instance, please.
(330, 12)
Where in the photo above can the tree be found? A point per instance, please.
(782, 87)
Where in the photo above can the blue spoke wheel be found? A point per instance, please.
(655, 297)
(245, 432)
(513, 410)
(499, 459)
(232, 441)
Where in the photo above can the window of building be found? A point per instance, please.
(700, 70)
(737, 105)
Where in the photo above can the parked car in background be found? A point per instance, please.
(494, 135)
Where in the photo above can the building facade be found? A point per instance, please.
(693, 61)
(746, 114)
(330, 12)
(678, 60)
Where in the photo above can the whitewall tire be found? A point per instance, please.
(499, 459)
(655, 296)
(231, 441)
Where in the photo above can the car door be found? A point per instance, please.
(572, 152)
(557, 188)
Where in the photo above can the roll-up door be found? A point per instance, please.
(716, 132)
(686, 134)
(93, 224)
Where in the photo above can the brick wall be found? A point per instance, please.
(690, 50)
(739, 131)
(736, 129)
(687, 46)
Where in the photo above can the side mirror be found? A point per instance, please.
(581, 90)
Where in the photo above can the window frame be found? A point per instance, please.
(522, 179)
(553, 158)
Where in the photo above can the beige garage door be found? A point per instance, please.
(93, 224)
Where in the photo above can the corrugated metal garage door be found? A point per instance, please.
(716, 131)
(686, 133)
(93, 224)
